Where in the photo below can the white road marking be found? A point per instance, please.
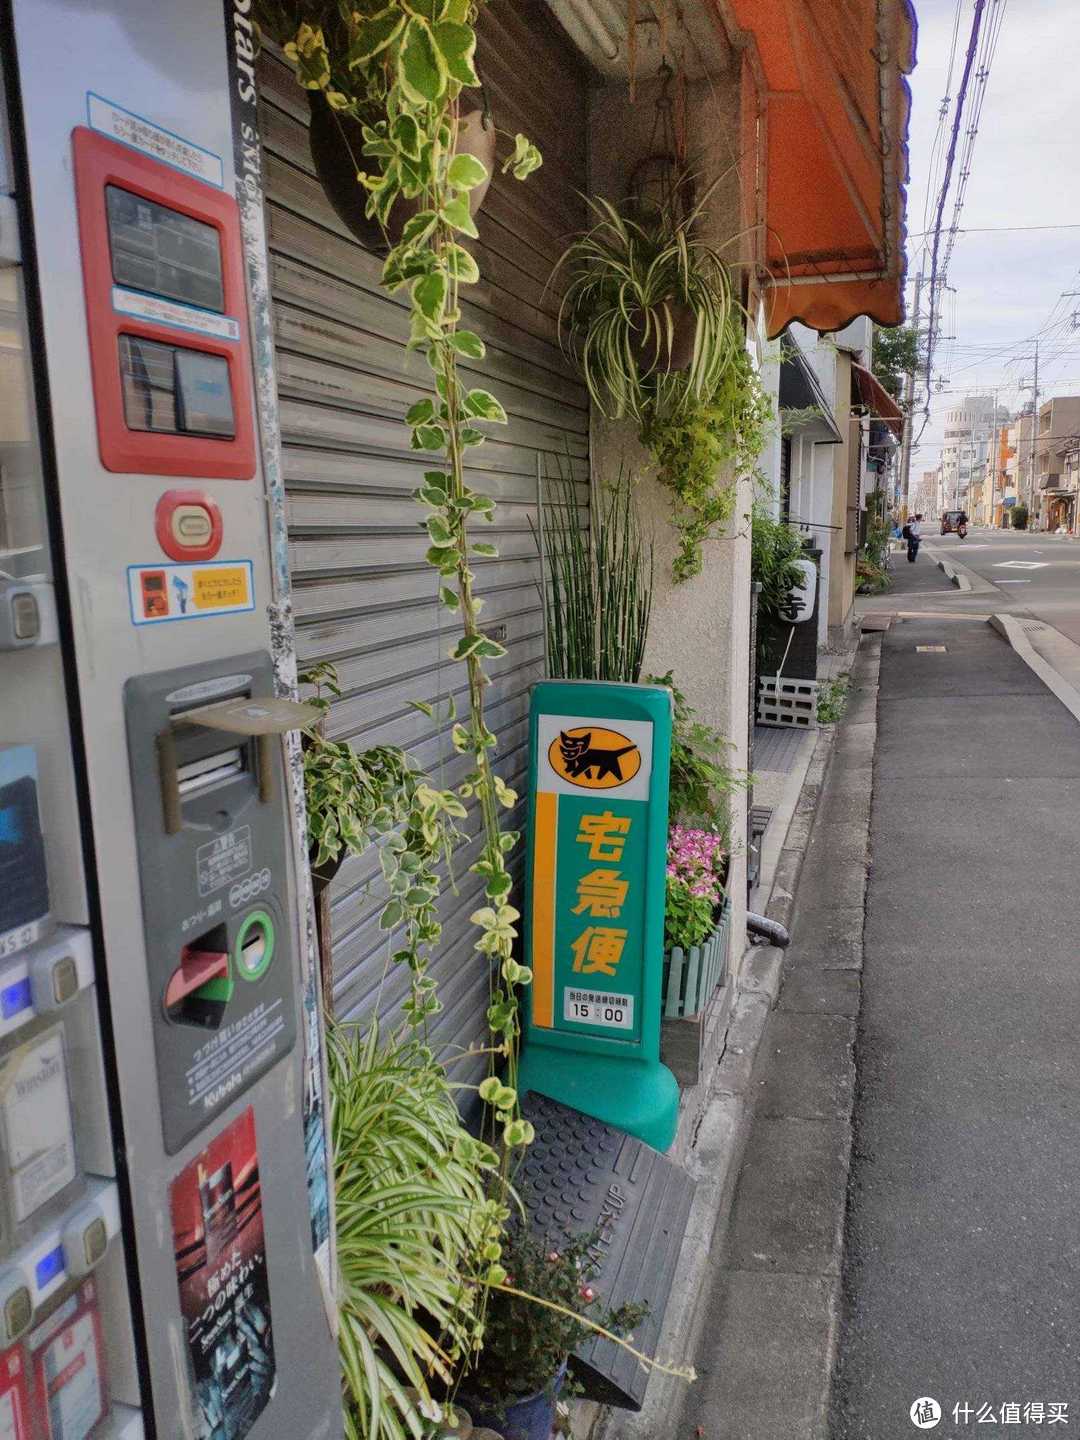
(1022, 565)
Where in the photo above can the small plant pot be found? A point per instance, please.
(692, 976)
(652, 355)
(337, 150)
(323, 874)
(531, 1418)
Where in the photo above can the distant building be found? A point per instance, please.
(1055, 485)
(924, 498)
(969, 436)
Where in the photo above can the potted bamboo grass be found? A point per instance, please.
(597, 585)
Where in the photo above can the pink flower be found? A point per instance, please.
(553, 1255)
(588, 1294)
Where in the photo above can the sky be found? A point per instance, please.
(1025, 171)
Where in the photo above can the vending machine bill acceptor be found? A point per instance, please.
(164, 1190)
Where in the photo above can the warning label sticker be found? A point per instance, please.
(223, 859)
(159, 593)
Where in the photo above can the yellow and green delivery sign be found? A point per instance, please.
(594, 924)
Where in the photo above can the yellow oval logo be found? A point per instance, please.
(593, 758)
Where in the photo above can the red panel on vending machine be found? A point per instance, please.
(166, 311)
(14, 1396)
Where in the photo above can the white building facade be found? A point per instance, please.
(969, 434)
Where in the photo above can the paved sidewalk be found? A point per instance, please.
(922, 578)
(962, 1271)
(766, 1349)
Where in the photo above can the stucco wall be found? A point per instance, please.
(700, 628)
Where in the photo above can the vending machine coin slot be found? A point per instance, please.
(201, 987)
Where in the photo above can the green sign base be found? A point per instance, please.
(638, 1096)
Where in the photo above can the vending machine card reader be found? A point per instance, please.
(210, 820)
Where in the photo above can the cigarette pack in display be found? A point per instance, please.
(37, 1140)
(24, 884)
(68, 1354)
(14, 1395)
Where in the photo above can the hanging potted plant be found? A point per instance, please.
(533, 1324)
(338, 142)
(647, 308)
(650, 316)
(346, 59)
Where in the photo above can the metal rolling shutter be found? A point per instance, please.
(364, 596)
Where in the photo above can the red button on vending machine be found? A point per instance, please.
(188, 525)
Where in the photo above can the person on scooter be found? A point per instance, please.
(914, 537)
(962, 525)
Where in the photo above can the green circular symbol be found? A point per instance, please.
(254, 946)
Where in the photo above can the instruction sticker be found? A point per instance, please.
(172, 312)
(154, 140)
(159, 593)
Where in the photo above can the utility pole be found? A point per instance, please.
(1034, 428)
(1028, 497)
(909, 403)
(992, 460)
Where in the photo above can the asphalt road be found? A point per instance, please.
(962, 1258)
(1036, 575)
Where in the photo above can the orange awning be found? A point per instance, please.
(877, 400)
(832, 117)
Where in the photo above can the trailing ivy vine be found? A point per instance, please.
(696, 447)
(380, 797)
(399, 69)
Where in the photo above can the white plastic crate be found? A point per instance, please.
(784, 702)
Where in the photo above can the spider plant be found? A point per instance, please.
(637, 286)
(410, 1187)
(599, 584)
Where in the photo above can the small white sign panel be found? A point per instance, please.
(154, 140)
(596, 1007)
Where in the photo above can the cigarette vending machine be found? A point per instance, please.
(164, 1196)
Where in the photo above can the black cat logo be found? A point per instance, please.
(594, 758)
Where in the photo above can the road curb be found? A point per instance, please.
(964, 579)
(1012, 630)
(723, 1132)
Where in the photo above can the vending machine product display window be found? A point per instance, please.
(38, 1158)
(24, 883)
(69, 1378)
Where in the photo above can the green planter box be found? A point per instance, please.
(691, 977)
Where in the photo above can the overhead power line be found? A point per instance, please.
(943, 195)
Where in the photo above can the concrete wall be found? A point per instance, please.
(700, 628)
